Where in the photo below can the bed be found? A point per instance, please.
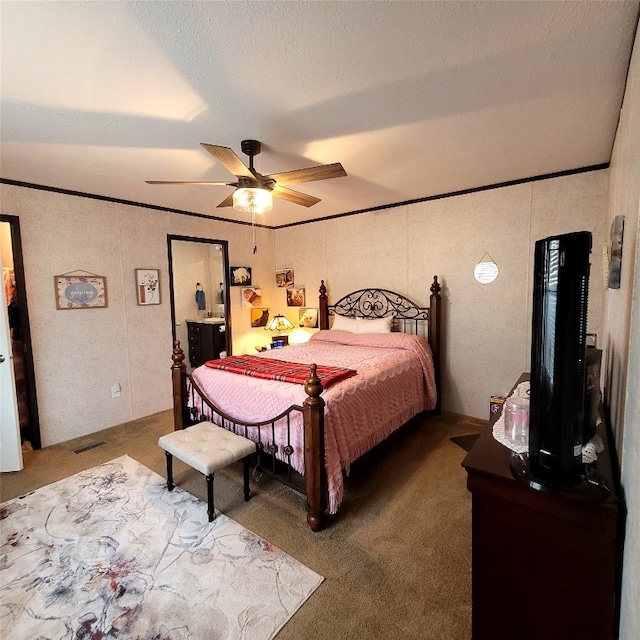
(313, 409)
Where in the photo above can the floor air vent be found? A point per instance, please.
(88, 447)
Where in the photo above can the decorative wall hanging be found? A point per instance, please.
(240, 276)
(486, 271)
(251, 297)
(80, 290)
(148, 286)
(295, 297)
(284, 278)
(615, 252)
(308, 318)
(259, 317)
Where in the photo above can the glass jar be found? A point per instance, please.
(516, 420)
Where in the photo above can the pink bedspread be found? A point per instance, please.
(394, 382)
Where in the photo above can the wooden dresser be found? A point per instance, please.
(546, 565)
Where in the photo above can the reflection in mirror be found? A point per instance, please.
(199, 291)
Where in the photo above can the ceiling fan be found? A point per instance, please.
(253, 190)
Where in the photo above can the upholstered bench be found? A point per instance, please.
(207, 448)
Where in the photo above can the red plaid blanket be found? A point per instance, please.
(279, 369)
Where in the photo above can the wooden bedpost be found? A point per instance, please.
(323, 309)
(314, 461)
(434, 335)
(179, 381)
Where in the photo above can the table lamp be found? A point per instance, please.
(279, 323)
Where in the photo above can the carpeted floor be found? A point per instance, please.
(396, 561)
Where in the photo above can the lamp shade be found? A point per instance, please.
(278, 323)
(252, 200)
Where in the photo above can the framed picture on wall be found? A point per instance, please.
(284, 278)
(80, 291)
(295, 297)
(308, 318)
(615, 252)
(251, 297)
(240, 276)
(148, 286)
(259, 317)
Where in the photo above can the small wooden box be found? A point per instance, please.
(495, 407)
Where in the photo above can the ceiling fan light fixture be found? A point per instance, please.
(252, 200)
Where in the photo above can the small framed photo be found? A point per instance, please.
(615, 252)
(284, 278)
(240, 276)
(148, 286)
(308, 318)
(80, 292)
(259, 317)
(251, 297)
(295, 297)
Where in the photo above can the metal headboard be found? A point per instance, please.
(382, 303)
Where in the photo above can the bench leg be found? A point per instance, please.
(210, 507)
(170, 484)
(247, 492)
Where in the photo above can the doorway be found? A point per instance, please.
(199, 292)
(16, 309)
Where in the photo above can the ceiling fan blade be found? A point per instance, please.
(310, 174)
(294, 196)
(202, 182)
(227, 202)
(228, 159)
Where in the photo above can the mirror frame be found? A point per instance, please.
(225, 265)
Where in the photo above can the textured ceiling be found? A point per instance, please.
(415, 99)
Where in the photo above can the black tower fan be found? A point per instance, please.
(558, 351)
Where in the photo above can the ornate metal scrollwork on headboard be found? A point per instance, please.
(382, 303)
(378, 303)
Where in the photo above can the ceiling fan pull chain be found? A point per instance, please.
(253, 230)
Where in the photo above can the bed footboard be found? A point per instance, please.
(315, 475)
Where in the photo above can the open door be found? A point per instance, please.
(18, 352)
(10, 444)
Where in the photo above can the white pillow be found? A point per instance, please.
(375, 325)
(343, 323)
(362, 325)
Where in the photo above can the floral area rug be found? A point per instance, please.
(110, 554)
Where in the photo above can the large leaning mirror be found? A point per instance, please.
(200, 313)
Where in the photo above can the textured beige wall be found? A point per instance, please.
(487, 327)
(622, 329)
(79, 354)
